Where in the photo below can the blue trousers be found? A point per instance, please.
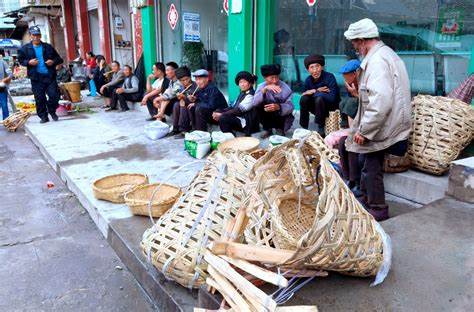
(41, 88)
(4, 104)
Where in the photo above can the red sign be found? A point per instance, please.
(173, 16)
(311, 2)
(225, 4)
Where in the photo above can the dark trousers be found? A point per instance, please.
(181, 118)
(123, 98)
(109, 91)
(41, 88)
(270, 120)
(152, 110)
(349, 163)
(317, 106)
(230, 123)
(371, 182)
(200, 117)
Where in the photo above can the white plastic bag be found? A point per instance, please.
(156, 130)
(301, 133)
(277, 140)
(219, 137)
(197, 143)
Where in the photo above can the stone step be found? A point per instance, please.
(461, 180)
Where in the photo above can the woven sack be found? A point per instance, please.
(332, 122)
(300, 203)
(113, 188)
(442, 128)
(164, 196)
(176, 243)
(395, 164)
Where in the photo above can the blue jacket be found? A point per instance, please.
(211, 98)
(325, 80)
(27, 53)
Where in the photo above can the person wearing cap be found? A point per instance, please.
(383, 120)
(273, 101)
(155, 89)
(205, 102)
(181, 113)
(349, 102)
(41, 59)
(165, 102)
(242, 116)
(321, 93)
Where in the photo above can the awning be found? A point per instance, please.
(9, 44)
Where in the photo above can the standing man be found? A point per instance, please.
(41, 59)
(5, 79)
(382, 123)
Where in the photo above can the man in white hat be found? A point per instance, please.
(383, 121)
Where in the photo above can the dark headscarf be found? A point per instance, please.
(183, 72)
(270, 69)
(246, 76)
(314, 59)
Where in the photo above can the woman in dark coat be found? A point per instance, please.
(100, 71)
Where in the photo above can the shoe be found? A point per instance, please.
(163, 119)
(357, 192)
(379, 214)
(266, 134)
(280, 132)
(44, 120)
(172, 133)
(54, 116)
(150, 119)
(123, 110)
(108, 109)
(179, 135)
(105, 106)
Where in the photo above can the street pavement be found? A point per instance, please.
(52, 256)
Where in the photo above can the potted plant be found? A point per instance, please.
(193, 55)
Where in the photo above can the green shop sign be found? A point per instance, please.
(449, 29)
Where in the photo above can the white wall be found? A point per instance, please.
(93, 27)
(122, 8)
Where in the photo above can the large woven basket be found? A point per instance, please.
(442, 128)
(246, 144)
(113, 188)
(333, 122)
(176, 243)
(300, 203)
(139, 198)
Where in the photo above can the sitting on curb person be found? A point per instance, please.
(243, 115)
(205, 102)
(98, 74)
(129, 91)
(273, 101)
(155, 89)
(108, 89)
(321, 93)
(164, 103)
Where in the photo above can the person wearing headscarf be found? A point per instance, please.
(321, 93)
(242, 116)
(273, 101)
(383, 121)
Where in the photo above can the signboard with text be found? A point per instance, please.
(191, 27)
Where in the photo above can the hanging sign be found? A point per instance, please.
(311, 2)
(191, 27)
(449, 30)
(225, 5)
(173, 16)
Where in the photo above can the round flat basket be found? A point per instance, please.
(113, 188)
(163, 199)
(245, 144)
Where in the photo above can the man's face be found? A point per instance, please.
(185, 81)
(360, 46)
(202, 82)
(126, 71)
(272, 79)
(36, 38)
(315, 70)
(156, 71)
(115, 67)
(170, 72)
(350, 78)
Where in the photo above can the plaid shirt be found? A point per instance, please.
(465, 91)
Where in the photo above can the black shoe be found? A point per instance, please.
(44, 120)
(280, 132)
(179, 135)
(150, 119)
(172, 133)
(54, 116)
(109, 109)
(124, 110)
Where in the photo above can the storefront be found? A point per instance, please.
(435, 38)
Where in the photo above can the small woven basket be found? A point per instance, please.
(322, 221)
(442, 128)
(246, 144)
(113, 188)
(139, 198)
(16, 120)
(175, 245)
(333, 122)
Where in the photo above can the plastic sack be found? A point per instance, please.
(197, 143)
(277, 140)
(156, 130)
(219, 137)
(92, 88)
(333, 138)
(301, 133)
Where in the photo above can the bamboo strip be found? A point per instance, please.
(251, 253)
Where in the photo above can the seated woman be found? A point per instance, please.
(243, 115)
(155, 89)
(129, 91)
(273, 102)
(181, 111)
(98, 73)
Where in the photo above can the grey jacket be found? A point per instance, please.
(5, 70)
(131, 84)
(117, 79)
(384, 112)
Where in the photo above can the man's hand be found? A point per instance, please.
(271, 107)
(180, 96)
(119, 91)
(7, 80)
(216, 116)
(352, 89)
(49, 62)
(33, 62)
(323, 89)
(144, 100)
(274, 88)
(151, 76)
(191, 105)
(192, 98)
(309, 92)
(182, 103)
(359, 139)
(102, 89)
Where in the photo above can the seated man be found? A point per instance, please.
(108, 89)
(243, 115)
(155, 89)
(129, 91)
(321, 93)
(164, 103)
(207, 100)
(273, 102)
(181, 113)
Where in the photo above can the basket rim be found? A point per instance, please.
(94, 185)
(134, 201)
(230, 144)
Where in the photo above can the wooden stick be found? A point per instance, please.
(195, 91)
(228, 291)
(251, 253)
(223, 291)
(185, 89)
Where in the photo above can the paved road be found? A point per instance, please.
(52, 256)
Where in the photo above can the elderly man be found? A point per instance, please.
(108, 90)
(382, 123)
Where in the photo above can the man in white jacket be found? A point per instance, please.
(383, 121)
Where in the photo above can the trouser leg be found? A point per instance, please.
(184, 118)
(39, 92)
(228, 123)
(12, 102)
(202, 117)
(152, 110)
(372, 185)
(53, 96)
(270, 120)
(306, 107)
(113, 100)
(4, 104)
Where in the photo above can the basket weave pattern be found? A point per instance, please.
(176, 243)
(442, 128)
(324, 223)
(332, 122)
(113, 188)
(139, 198)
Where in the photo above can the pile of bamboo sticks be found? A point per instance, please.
(16, 120)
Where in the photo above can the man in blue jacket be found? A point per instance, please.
(321, 93)
(41, 59)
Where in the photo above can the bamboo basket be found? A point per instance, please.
(246, 144)
(321, 221)
(333, 122)
(442, 128)
(74, 90)
(16, 120)
(113, 188)
(175, 245)
(139, 198)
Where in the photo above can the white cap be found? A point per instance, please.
(365, 28)
(201, 73)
